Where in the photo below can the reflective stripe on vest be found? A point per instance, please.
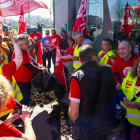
(133, 116)
(76, 64)
(128, 86)
(16, 93)
(105, 58)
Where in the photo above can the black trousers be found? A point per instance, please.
(54, 56)
(36, 50)
(129, 129)
(47, 55)
(25, 89)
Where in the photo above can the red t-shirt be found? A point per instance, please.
(69, 52)
(109, 61)
(22, 74)
(7, 130)
(117, 56)
(36, 36)
(53, 40)
(122, 67)
(8, 70)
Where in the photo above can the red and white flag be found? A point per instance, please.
(19, 7)
(22, 25)
(135, 9)
(127, 22)
(1, 30)
(59, 69)
(80, 21)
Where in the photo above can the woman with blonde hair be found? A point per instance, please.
(131, 89)
(6, 128)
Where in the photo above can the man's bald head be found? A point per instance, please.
(124, 50)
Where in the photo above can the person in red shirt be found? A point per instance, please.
(54, 39)
(68, 62)
(37, 37)
(92, 97)
(124, 63)
(25, 72)
(6, 128)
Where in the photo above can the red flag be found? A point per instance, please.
(127, 22)
(80, 22)
(19, 7)
(10, 104)
(1, 30)
(22, 25)
(135, 9)
(59, 69)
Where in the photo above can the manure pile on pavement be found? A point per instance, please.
(59, 115)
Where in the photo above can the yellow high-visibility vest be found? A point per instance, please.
(16, 93)
(128, 86)
(105, 58)
(76, 64)
(2, 53)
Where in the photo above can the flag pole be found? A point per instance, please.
(65, 79)
(5, 22)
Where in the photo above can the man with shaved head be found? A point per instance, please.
(126, 60)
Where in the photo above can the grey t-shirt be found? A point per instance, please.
(88, 41)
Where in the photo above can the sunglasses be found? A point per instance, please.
(6, 40)
(62, 34)
(46, 33)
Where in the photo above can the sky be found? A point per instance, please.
(41, 11)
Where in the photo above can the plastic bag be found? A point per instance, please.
(45, 82)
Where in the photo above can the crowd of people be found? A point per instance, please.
(96, 82)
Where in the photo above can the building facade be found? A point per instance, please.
(104, 18)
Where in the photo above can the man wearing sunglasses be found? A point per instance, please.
(46, 53)
(54, 41)
(64, 42)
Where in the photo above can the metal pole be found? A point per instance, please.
(87, 17)
(50, 13)
(29, 18)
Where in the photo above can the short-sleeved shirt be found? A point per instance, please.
(7, 130)
(75, 94)
(22, 74)
(69, 52)
(46, 41)
(36, 36)
(122, 67)
(54, 40)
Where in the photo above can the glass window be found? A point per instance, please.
(109, 14)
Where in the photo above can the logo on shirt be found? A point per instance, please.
(35, 38)
(128, 84)
(46, 42)
(53, 40)
(126, 70)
